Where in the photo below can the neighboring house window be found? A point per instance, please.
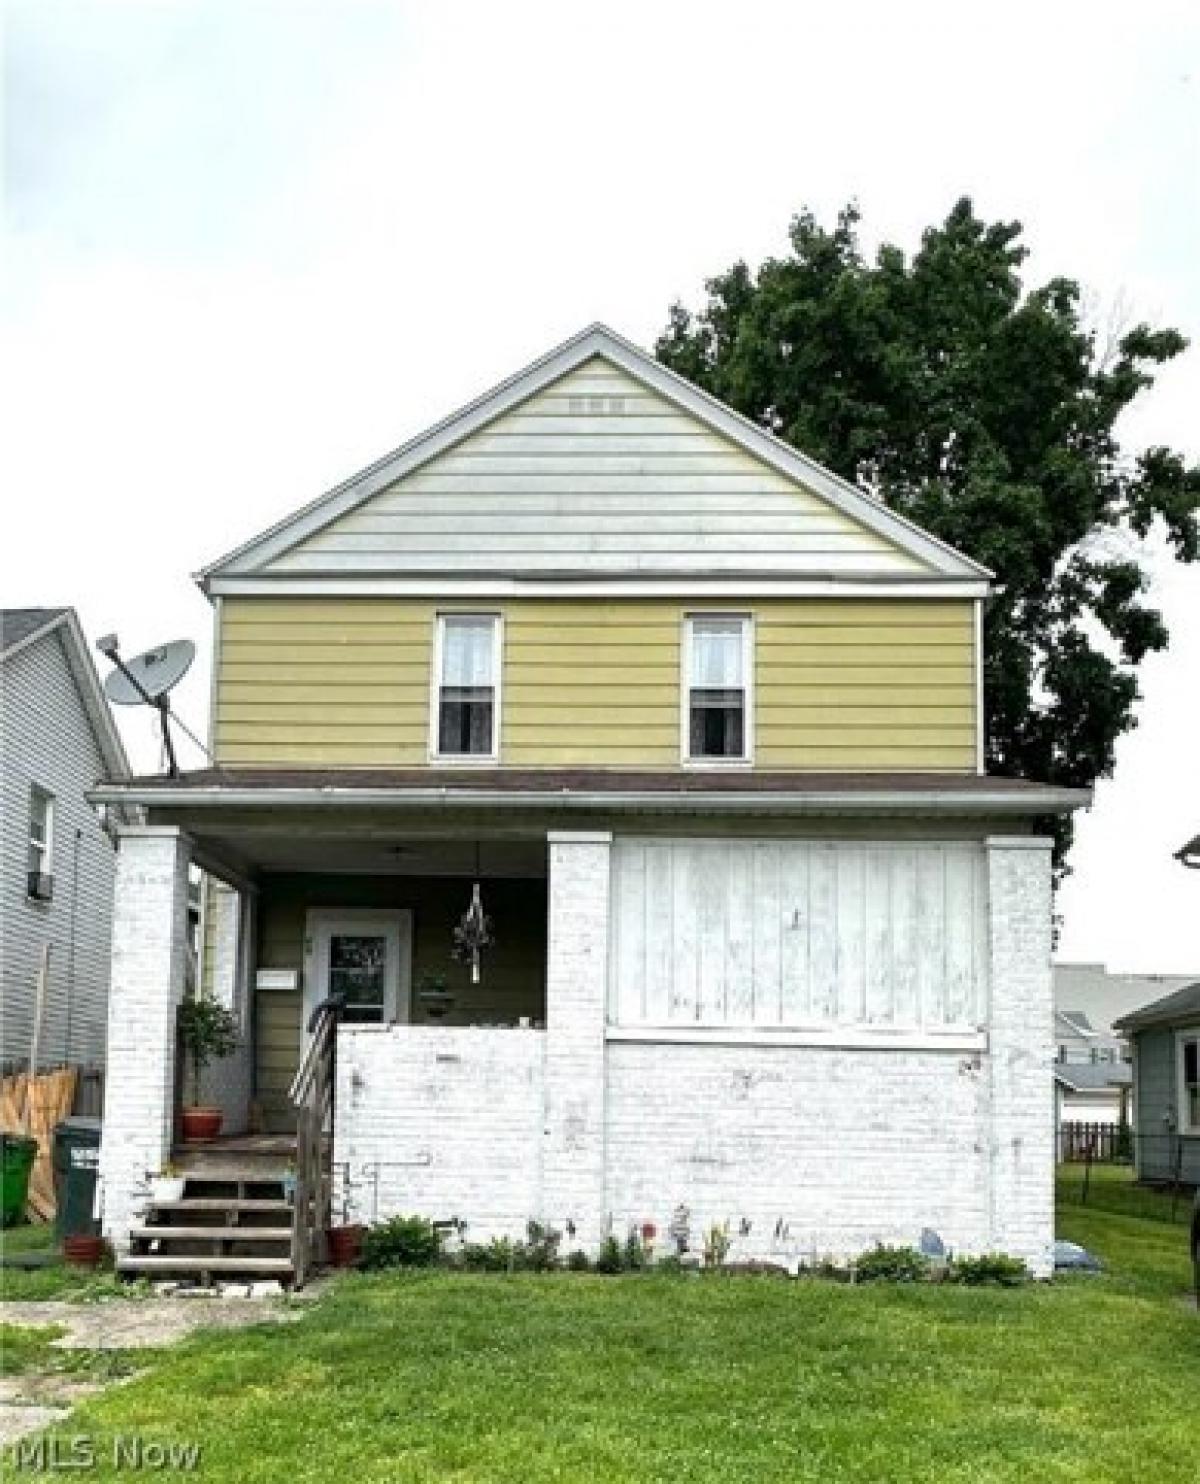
(1189, 1079)
(718, 661)
(41, 838)
(467, 704)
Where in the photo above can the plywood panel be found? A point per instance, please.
(799, 934)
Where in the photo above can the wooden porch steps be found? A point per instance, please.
(276, 1267)
(282, 1234)
(233, 1219)
(225, 1203)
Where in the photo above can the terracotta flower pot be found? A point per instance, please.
(83, 1251)
(345, 1246)
(201, 1125)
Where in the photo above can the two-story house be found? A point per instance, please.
(621, 769)
(57, 862)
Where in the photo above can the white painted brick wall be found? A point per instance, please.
(576, 999)
(821, 1151)
(1021, 1050)
(441, 1121)
(149, 959)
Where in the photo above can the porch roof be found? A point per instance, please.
(723, 790)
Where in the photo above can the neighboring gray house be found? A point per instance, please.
(1166, 1070)
(57, 863)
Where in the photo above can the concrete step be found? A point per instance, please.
(211, 1234)
(167, 1263)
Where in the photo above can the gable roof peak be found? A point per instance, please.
(597, 339)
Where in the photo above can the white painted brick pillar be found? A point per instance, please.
(576, 1002)
(149, 957)
(1021, 1049)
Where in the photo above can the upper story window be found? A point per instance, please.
(467, 701)
(718, 664)
(1189, 1083)
(40, 863)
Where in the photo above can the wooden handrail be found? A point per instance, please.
(312, 1094)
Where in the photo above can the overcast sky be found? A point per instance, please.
(250, 247)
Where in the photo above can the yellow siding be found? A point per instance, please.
(839, 683)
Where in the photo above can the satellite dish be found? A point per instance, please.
(146, 679)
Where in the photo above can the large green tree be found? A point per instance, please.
(987, 412)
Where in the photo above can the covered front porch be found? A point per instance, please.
(327, 938)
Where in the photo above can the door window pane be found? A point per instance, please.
(358, 970)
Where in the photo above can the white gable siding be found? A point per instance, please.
(47, 739)
(597, 474)
(799, 934)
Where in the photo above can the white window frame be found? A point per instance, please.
(459, 759)
(46, 846)
(685, 690)
(1181, 1040)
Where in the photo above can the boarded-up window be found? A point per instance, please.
(798, 934)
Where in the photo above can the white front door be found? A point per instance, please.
(364, 954)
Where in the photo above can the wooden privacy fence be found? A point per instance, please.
(1097, 1143)
(35, 1106)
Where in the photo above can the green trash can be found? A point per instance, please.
(17, 1155)
(76, 1160)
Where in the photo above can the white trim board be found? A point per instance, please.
(695, 589)
(595, 341)
(844, 1038)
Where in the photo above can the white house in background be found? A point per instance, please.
(699, 725)
(57, 862)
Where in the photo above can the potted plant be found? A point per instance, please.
(84, 1250)
(208, 1031)
(167, 1186)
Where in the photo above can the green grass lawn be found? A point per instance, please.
(640, 1379)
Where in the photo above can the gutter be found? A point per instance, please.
(1052, 801)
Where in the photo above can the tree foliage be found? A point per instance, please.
(987, 413)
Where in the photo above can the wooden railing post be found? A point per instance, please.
(312, 1095)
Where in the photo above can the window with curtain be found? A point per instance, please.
(718, 680)
(467, 682)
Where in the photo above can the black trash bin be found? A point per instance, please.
(76, 1161)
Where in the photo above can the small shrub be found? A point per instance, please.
(633, 1255)
(539, 1251)
(716, 1246)
(991, 1267)
(672, 1263)
(891, 1265)
(610, 1258)
(495, 1256)
(402, 1242)
(578, 1262)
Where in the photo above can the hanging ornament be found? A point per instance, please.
(473, 931)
